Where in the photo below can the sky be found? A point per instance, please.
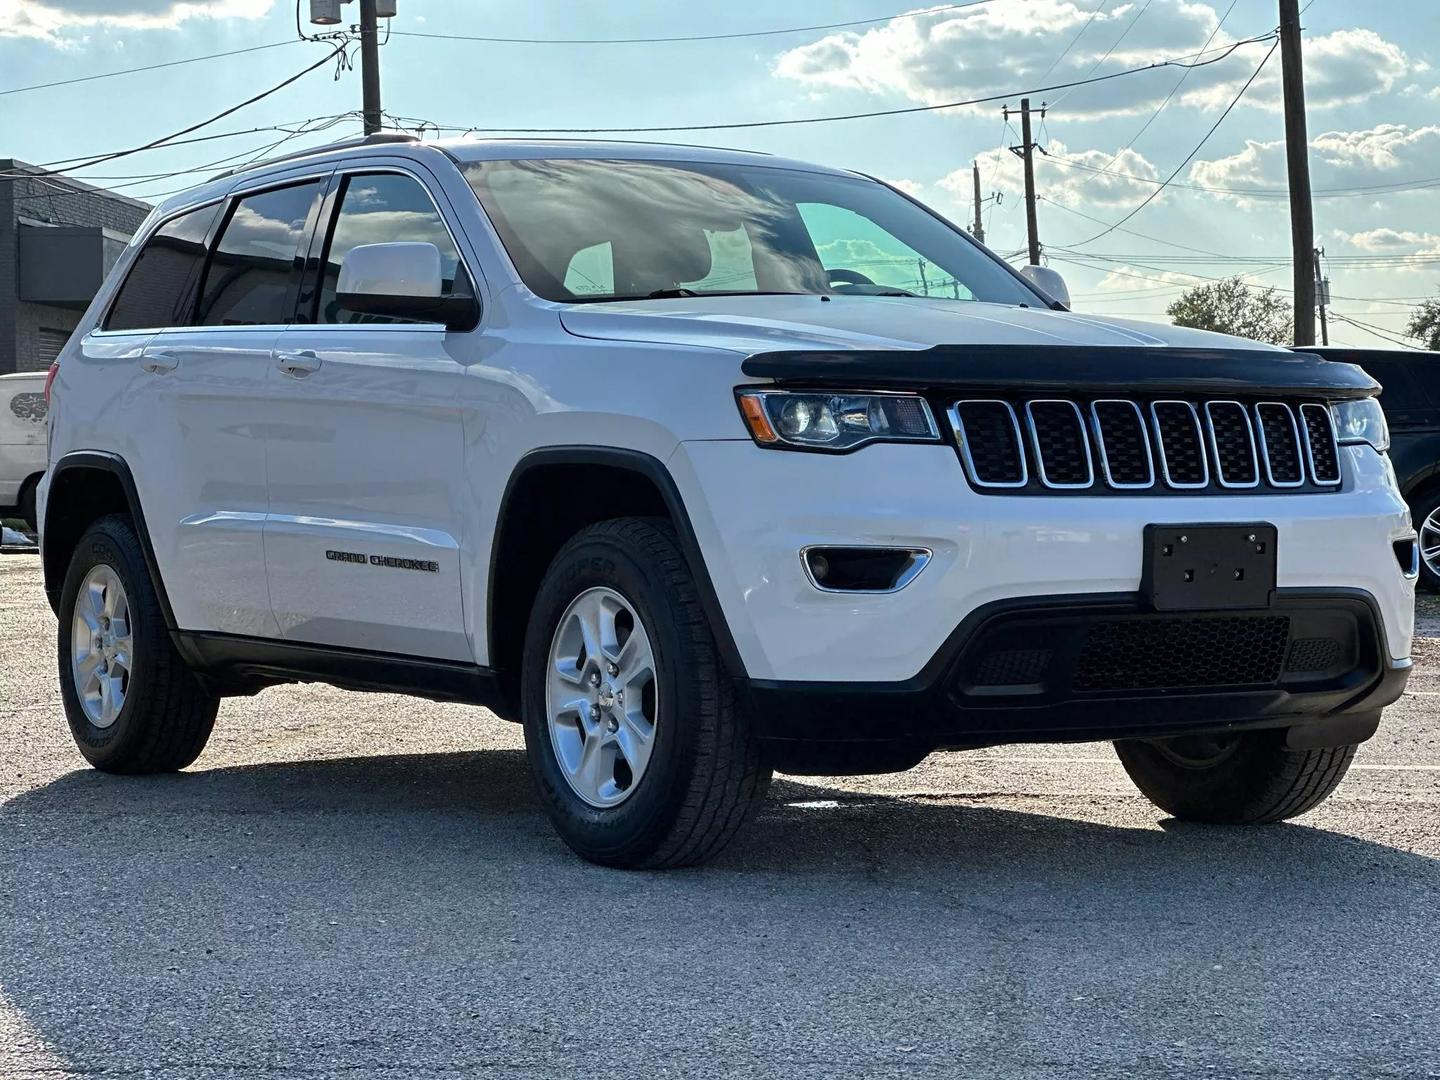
(1372, 78)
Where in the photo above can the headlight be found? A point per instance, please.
(1361, 421)
(786, 419)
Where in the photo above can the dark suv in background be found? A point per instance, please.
(1411, 400)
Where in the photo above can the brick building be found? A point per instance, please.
(58, 239)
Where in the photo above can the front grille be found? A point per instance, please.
(1117, 445)
(1182, 653)
(1320, 444)
(1313, 654)
(1280, 444)
(990, 444)
(1062, 451)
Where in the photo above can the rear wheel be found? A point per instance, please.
(1243, 779)
(27, 504)
(1425, 513)
(133, 705)
(641, 752)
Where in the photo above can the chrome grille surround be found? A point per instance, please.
(1251, 465)
(1267, 452)
(957, 424)
(1308, 410)
(1100, 443)
(1037, 445)
(1199, 435)
(1051, 445)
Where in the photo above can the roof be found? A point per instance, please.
(466, 150)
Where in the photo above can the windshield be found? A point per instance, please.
(592, 230)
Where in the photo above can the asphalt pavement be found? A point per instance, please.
(364, 886)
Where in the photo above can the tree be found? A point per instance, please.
(1425, 324)
(1232, 307)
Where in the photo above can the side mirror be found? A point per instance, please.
(1048, 282)
(402, 280)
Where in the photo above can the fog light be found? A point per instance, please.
(863, 569)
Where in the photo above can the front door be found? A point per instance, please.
(366, 450)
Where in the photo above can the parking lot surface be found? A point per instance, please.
(364, 886)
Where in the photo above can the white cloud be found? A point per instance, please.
(1387, 241)
(1341, 68)
(979, 51)
(48, 20)
(1069, 186)
(913, 188)
(1384, 154)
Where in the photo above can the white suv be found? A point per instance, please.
(700, 464)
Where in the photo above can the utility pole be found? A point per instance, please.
(1322, 297)
(979, 230)
(924, 285)
(1026, 151)
(370, 65)
(1297, 153)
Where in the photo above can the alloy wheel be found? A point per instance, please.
(600, 697)
(102, 650)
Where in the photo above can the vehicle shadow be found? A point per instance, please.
(408, 915)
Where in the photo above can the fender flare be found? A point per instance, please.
(654, 470)
(116, 466)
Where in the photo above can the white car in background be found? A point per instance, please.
(22, 443)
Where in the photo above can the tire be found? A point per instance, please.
(1421, 511)
(27, 504)
(164, 715)
(701, 778)
(1246, 779)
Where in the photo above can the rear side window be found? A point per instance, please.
(160, 288)
(385, 208)
(255, 270)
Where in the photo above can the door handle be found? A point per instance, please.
(298, 364)
(158, 363)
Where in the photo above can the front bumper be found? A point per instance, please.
(1082, 668)
(753, 511)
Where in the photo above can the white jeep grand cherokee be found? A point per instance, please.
(701, 464)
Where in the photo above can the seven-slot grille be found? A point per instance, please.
(1118, 444)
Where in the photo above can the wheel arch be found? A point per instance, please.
(86, 485)
(530, 530)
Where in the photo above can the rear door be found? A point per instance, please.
(204, 487)
(366, 450)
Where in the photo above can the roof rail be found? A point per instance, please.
(378, 139)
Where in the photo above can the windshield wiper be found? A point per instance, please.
(670, 294)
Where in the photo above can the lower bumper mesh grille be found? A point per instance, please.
(1182, 653)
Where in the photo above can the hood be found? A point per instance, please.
(752, 324)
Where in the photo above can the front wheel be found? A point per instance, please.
(641, 752)
(133, 705)
(1425, 513)
(1243, 779)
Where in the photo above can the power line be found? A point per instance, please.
(1190, 156)
(1168, 97)
(1383, 334)
(1257, 193)
(145, 67)
(907, 110)
(166, 140)
(689, 37)
(1075, 40)
(1132, 232)
(1110, 51)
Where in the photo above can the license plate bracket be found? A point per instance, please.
(1209, 567)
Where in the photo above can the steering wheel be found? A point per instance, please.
(847, 277)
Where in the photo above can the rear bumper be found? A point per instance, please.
(1088, 667)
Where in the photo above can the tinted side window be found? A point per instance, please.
(384, 208)
(255, 269)
(160, 288)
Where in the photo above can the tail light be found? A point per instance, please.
(50, 379)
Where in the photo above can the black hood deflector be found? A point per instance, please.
(1082, 370)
